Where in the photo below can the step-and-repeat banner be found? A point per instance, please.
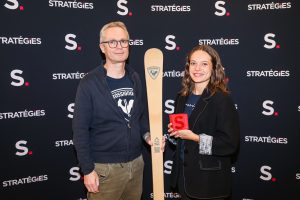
(48, 46)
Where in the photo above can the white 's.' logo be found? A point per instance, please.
(15, 75)
(169, 40)
(221, 11)
(270, 42)
(70, 39)
(13, 4)
(269, 110)
(71, 110)
(169, 104)
(233, 169)
(123, 10)
(266, 175)
(75, 175)
(168, 166)
(23, 150)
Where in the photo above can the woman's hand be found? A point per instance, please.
(183, 134)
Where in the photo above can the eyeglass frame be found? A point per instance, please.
(109, 42)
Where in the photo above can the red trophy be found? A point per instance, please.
(179, 121)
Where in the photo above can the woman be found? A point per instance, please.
(202, 161)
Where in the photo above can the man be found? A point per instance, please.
(109, 122)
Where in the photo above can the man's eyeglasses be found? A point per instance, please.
(114, 43)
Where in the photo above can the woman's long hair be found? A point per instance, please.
(217, 80)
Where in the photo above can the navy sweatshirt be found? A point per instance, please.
(100, 132)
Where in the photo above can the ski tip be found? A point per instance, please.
(153, 52)
(153, 49)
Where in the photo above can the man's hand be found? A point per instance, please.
(91, 182)
(163, 144)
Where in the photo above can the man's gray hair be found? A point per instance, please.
(110, 25)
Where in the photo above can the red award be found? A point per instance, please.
(179, 121)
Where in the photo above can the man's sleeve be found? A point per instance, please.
(81, 123)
